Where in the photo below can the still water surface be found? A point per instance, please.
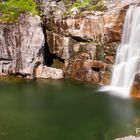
(63, 110)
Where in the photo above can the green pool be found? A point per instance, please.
(63, 110)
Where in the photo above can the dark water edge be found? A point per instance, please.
(63, 110)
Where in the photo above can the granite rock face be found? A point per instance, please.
(21, 46)
(87, 43)
(22, 49)
(81, 47)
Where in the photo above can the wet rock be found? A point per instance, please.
(135, 92)
(114, 21)
(110, 50)
(129, 138)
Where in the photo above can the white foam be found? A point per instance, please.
(126, 65)
(116, 91)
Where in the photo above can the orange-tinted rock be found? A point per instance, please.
(88, 43)
(88, 70)
(135, 92)
(91, 26)
(114, 21)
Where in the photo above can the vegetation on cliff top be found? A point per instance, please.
(10, 10)
(79, 5)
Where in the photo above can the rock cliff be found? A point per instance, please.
(82, 45)
(79, 46)
(22, 49)
(21, 46)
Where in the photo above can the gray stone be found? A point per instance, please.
(49, 72)
(21, 46)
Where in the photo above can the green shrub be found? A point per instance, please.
(10, 10)
(79, 5)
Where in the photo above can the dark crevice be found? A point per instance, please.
(48, 57)
(80, 39)
(24, 75)
(58, 58)
(6, 59)
(97, 69)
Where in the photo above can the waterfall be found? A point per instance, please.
(128, 53)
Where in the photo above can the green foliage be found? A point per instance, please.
(10, 10)
(79, 5)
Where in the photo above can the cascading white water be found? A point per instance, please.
(128, 53)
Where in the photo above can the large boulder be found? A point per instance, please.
(48, 72)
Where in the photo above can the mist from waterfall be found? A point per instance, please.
(126, 65)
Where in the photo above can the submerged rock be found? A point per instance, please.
(129, 138)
